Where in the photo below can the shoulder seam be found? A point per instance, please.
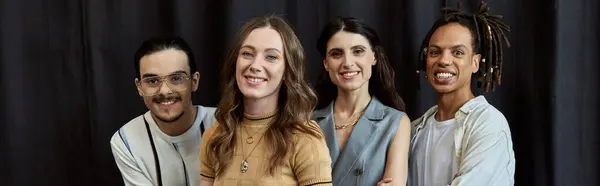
(124, 139)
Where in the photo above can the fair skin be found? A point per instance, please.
(259, 72)
(173, 111)
(349, 61)
(450, 63)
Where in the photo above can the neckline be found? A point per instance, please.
(192, 131)
(256, 117)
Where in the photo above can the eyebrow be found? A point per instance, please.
(154, 75)
(453, 47)
(352, 48)
(333, 49)
(149, 75)
(358, 47)
(266, 50)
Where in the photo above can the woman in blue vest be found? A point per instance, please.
(359, 110)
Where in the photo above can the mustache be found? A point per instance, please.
(163, 98)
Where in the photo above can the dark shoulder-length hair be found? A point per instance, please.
(295, 104)
(381, 84)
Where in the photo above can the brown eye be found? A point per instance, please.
(151, 81)
(459, 53)
(176, 78)
(433, 53)
(335, 54)
(358, 52)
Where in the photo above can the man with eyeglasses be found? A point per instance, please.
(161, 147)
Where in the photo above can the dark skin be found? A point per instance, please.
(451, 62)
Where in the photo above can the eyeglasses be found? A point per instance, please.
(150, 86)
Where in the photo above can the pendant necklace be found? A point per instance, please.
(250, 138)
(244, 166)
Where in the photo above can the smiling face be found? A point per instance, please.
(260, 64)
(451, 60)
(167, 100)
(349, 61)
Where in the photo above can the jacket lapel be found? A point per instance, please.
(361, 136)
(324, 118)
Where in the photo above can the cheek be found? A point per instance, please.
(277, 71)
(187, 94)
(239, 65)
(333, 64)
(367, 76)
(466, 67)
(147, 100)
(332, 67)
(429, 64)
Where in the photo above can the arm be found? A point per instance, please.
(207, 172)
(131, 173)
(488, 158)
(396, 168)
(205, 183)
(311, 161)
(209, 117)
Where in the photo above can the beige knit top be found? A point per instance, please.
(308, 164)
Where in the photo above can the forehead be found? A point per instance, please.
(263, 38)
(343, 39)
(451, 35)
(164, 62)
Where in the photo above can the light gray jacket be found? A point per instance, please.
(483, 144)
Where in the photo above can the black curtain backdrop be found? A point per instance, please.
(67, 78)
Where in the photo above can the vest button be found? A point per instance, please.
(358, 172)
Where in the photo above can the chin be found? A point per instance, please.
(169, 113)
(252, 94)
(257, 94)
(350, 86)
(167, 116)
(444, 89)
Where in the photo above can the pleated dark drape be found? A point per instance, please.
(67, 78)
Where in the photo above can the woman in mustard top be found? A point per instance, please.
(263, 134)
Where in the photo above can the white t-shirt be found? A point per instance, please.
(433, 154)
(178, 156)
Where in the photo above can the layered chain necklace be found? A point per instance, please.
(352, 122)
(250, 138)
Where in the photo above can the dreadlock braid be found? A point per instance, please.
(488, 32)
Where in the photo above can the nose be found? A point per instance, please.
(445, 59)
(164, 88)
(256, 64)
(348, 61)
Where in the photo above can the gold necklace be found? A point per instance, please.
(354, 122)
(244, 165)
(250, 138)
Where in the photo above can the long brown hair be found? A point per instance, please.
(295, 104)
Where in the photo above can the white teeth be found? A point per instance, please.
(444, 75)
(349, 74)
(167, 102)
(256, 80)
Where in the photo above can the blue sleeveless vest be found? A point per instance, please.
(362, 161)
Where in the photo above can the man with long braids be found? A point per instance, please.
(463, 140)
